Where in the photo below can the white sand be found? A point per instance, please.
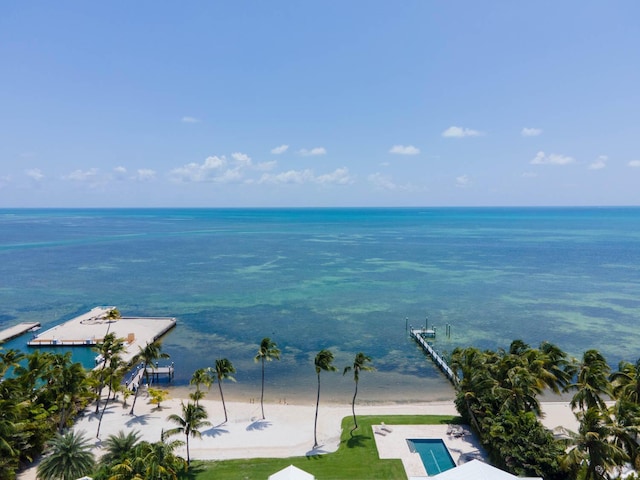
(286, 431)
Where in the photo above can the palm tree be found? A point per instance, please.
(200, 377)
(224, 370)
(359, 364)
(323, 361)
(109, 348)
(268, 351)
(70, 458)
(119, 446)
(192, 420)
(149, 354)
(593, 454)
(9, 359)
(149, 460)
(592, 382)
(626, 381)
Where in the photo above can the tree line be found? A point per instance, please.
(498, 394)
(41, 393)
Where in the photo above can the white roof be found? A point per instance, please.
(291, 473)
(475, 470)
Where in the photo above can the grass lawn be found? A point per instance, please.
(356, 458)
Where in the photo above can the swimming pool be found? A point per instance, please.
(434, 454)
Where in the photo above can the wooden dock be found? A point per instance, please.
(17, 330)
(420, 336)
(154, 375)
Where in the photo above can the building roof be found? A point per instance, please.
(476, 470)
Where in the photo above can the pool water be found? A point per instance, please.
(434, 454)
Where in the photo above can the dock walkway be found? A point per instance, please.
(17, 330)
(419, 336)
(154, 375)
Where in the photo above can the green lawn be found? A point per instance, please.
(356, 458)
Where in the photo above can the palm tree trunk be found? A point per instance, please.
(315, 425)
(223, 404)
(188, 457)
(353, 408)
(262, 392)
(103, 409)
(135, 397)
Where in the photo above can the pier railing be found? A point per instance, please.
(420, 336)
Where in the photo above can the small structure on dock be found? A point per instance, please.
(420, 335)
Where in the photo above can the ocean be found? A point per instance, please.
(350, 280)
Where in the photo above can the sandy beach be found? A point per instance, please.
(286, 431)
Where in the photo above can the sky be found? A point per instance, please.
(289, 103)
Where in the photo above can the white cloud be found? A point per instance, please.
(241, 159)
(340, 176)
(290, 176)
(460, 132)
(404, 150)
(82, 175)
(381, 181)
(463, 181)
(552, 159)
(385, 164)
(599, 163)
(314, 151)
(280, 149)
(530, 132)
(189, 120)
(208, 171)
(634, 163)
(266, 166)
(145, 175)
(35, 174)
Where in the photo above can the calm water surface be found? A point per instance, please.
(343, 279)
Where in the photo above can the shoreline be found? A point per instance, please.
(286, 431)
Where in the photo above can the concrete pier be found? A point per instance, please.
(90, 329)
(17, 330)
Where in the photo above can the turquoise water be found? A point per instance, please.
(434, 455)
(343, 279)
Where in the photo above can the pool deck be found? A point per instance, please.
(393, 444)
(90, 329)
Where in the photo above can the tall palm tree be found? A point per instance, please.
(110, 347)
(592, 382)
(359, 365)
(224, 370)
(70, 458)
(149, 354)
(323, 361)
(192, 420)
(268, 351)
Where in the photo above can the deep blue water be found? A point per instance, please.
(344, 279)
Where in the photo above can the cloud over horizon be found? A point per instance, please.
(404, 150)
(552, 159)
(460, 132)
(530, 132)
